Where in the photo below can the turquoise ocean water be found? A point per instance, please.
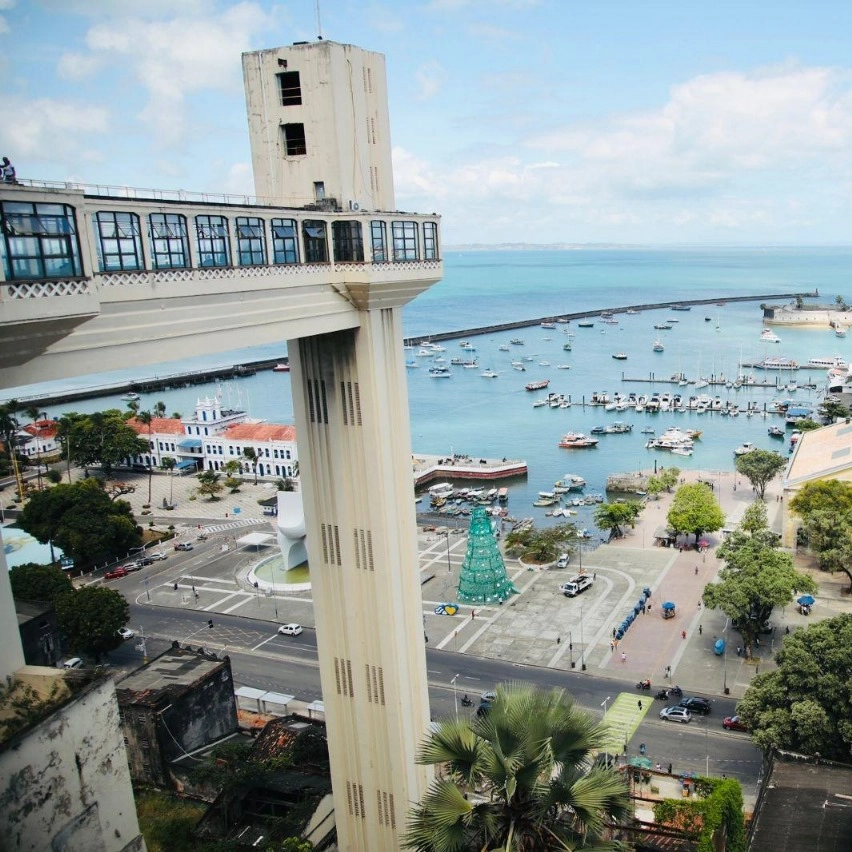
(495, 417)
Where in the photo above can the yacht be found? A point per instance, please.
(130, 397)
(516, 341)
(440, 372)
(745, 448)
(769, 336)
(577, 440)
(489, 374)
(658, 346)
(546, 498)
(569, 482)
(620, 356)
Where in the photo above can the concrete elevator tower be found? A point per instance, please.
(319, 132)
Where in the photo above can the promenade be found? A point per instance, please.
(539, 626)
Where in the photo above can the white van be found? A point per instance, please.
(73, 663)
(563, 560)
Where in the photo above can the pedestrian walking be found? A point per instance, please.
(472, 614)
(623, 657)
(700, 629)
(787, 630)
(696, 570)
(739, 651)
(683, 634)
(558, 640)
(639, 703)
(658, 767)
(649, 607)
(612, 646)
(642, 748)
(670, 769)
(625, 748)
(595, 575)
(668, 671)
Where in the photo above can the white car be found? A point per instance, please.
(563, 561)
(290, 629)
(73, 663)
(126, 632)
(158, 556)
(675, 714)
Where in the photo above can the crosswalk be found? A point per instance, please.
(623, 718)
(232, 525)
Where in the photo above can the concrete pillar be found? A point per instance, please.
(351, 407)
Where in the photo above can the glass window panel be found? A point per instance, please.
(212, 240)
(348, 242)
(379, 237)
(285, 248)
(32, 233)
(316, 246)
(119, 242)
(170, 243)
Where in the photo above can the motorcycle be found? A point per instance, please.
(467, 702)
(676, 690)
(644, 684)
(662, 695)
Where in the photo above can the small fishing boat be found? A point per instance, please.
(130, 397)
(620, 356)
(775, 432)
(658, 346)
(281, 368)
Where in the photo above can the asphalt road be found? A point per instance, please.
(263, 659)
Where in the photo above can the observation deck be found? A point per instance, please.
(101, 277)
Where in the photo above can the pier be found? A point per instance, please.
(455, 466)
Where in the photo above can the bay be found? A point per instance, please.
(495, 417)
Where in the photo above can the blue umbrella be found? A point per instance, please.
(668, 605)
(806, 600)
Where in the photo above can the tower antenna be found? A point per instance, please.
(319, 21)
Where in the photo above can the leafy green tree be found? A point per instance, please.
(825, 507)
(756, 578)
(102, 437)
(833, 411)
(9, 426)
(805, 424)
(209, 484)
(655, 487)
(33, 582)
(760, 467)
(518, 777)
(542, 545)
(695, 510)
(805, 704)
(83, 520)
(231, 469)
(669, 477)
(91, 617)
(251, 454)
(34, 413)
(613, 516)
(159, 409)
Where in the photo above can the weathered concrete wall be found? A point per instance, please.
(65, 785)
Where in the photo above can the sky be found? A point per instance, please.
(519, 121)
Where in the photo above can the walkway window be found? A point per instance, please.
(348, 242)
(430, 241)
(316, 244)
(404, 240)
(119, 241)
(169, 243)
(290, 88)
(212, 237)
(39, 241)
(285, 246)
(379, 240)
(251, 241)
(293, 140)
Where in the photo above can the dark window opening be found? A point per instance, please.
(348, 241)
(316, 244)
(430, 240)
(212, 240)
(319, 190)
(119, 241)
(379, 238)
(294, 140)
(251, 241)
(169, 243)
(290, 88)
(40, 241)
(285, 245)
(404, 240)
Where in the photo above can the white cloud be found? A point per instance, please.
(76, 66)
(62, 129)
(430, 79)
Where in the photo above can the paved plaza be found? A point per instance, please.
(537, 627)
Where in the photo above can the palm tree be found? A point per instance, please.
(35, 414)
(251, 454)
(9, 426)
(169, 463)
(519, 778)
(159, 409)
(145, 417)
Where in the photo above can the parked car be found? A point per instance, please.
(697, 705)
(126, 632)
(183, 545)
(116, 574)
(675, 714)
(157, 557)
(734, 723)
(144, 560)
(290, 629)
(132, 566)
(563, 560)
(73, 663)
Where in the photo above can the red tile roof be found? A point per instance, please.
(159, 426)
(260, 432)
(42, 428)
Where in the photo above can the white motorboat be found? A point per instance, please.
(569, 482)
(489, 374)
(745, 448)
(769, 336)
(130, 397)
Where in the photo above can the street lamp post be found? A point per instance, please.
(449, 564)
(455, 696)
(582, 642)
(571, 649)
(606, 742)
(208, 626)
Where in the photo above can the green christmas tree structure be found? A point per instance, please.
(483, 577)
